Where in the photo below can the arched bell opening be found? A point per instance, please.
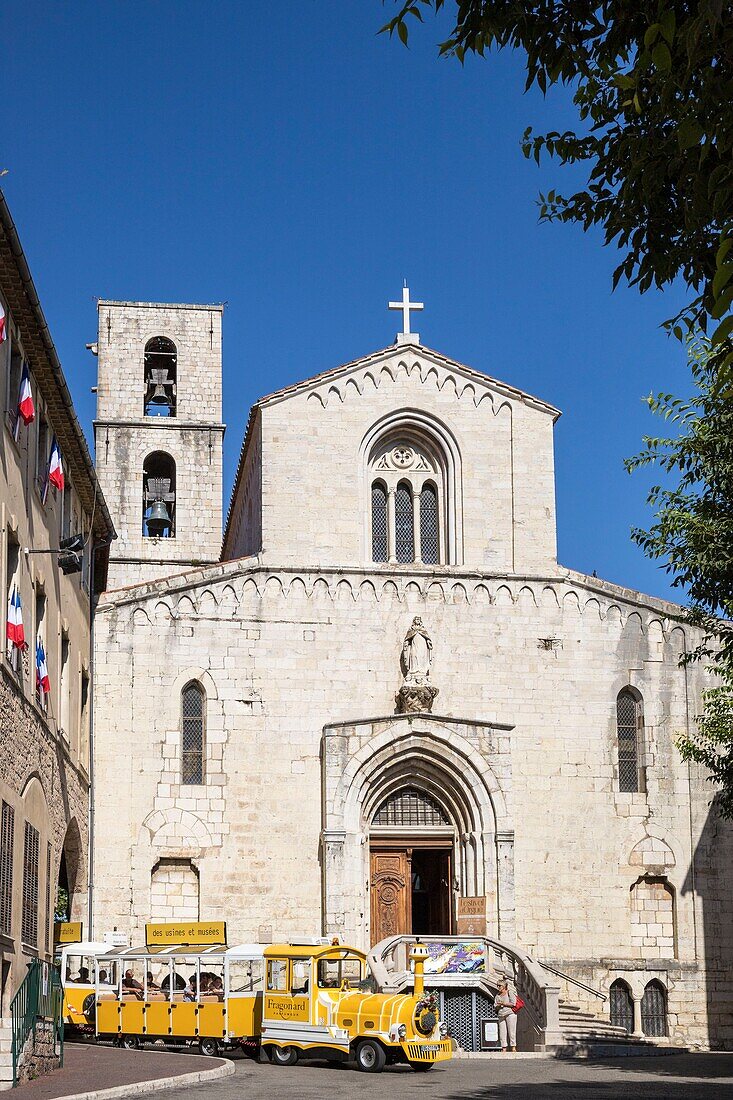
(159, 496)
(161, 372)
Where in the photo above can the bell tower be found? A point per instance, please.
(158, 436)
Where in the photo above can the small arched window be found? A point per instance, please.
(429, 541)
(654, 1009)
(622, 1006)
(161, 370)
(380, 549)
(404, 524)
(159, 496)
(629, 726)
(193, 733)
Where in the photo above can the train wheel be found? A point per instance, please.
(283, 1056)
(422, 1067)
(209, 1047)
(370, 1056)
(130, 1042)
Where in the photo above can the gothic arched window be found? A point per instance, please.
(629, 726)
(429, 541)
(159, 496)
(654, 1009)
(161, 370)
(409, 520)
(404, 524)
(380, 547)
(193, 733)
(622, 1006)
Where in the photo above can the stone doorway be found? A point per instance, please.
(410, 888)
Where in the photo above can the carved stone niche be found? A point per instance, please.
(415, 698)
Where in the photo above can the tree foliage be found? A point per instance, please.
(693, 537)
(653, 83)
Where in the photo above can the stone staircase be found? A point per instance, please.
(587, 1035)
(6, 1053)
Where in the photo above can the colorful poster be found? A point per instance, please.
(467, 957)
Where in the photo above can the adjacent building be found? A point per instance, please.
(48, 493)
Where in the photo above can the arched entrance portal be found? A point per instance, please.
(411, 851)
(437, 790)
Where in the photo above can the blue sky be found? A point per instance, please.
(285, 159)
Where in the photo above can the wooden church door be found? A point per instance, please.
(391, 894)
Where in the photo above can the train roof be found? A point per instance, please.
(182, 950)
(311, 950)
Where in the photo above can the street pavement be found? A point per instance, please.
(671, 1077)
(88, 1068)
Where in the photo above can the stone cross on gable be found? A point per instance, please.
(406, 337)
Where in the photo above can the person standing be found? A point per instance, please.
(504, 1003)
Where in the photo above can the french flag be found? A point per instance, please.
(15, 632)
(26, 408)
(55, 466)
(3, 333)
(42, 681)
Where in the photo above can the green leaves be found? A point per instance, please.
(661, 57)
(689, 133)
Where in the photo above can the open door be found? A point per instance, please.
(390, 900)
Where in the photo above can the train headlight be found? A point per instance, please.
(402, 1031)
(444, 1031)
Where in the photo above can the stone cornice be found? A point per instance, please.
(170, 423)
(253, 568)
(417, 716)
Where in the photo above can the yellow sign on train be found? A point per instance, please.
(184, 933)
(68, 932)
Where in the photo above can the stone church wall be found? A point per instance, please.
(504, 468)
(284, 654)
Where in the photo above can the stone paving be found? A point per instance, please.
(88, 1068)
(692, 1077)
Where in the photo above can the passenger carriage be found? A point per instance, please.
(209, 996)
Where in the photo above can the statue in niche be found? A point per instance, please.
(416, 694)
(417, 653)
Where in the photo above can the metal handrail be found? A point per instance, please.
(540, 994)
(39, 997)
(575, 981)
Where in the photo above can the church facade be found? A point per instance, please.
(384, 694)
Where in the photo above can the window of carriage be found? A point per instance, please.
(629, 729)
(407, 482)
(410, 806)
(622, 1006)
(193, 734)
(654, 1010)
(161, 369)
(159, 496)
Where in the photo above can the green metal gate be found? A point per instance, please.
(40, 998)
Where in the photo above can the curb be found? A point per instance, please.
(136, 1088)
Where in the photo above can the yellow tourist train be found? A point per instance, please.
(290, 1000)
